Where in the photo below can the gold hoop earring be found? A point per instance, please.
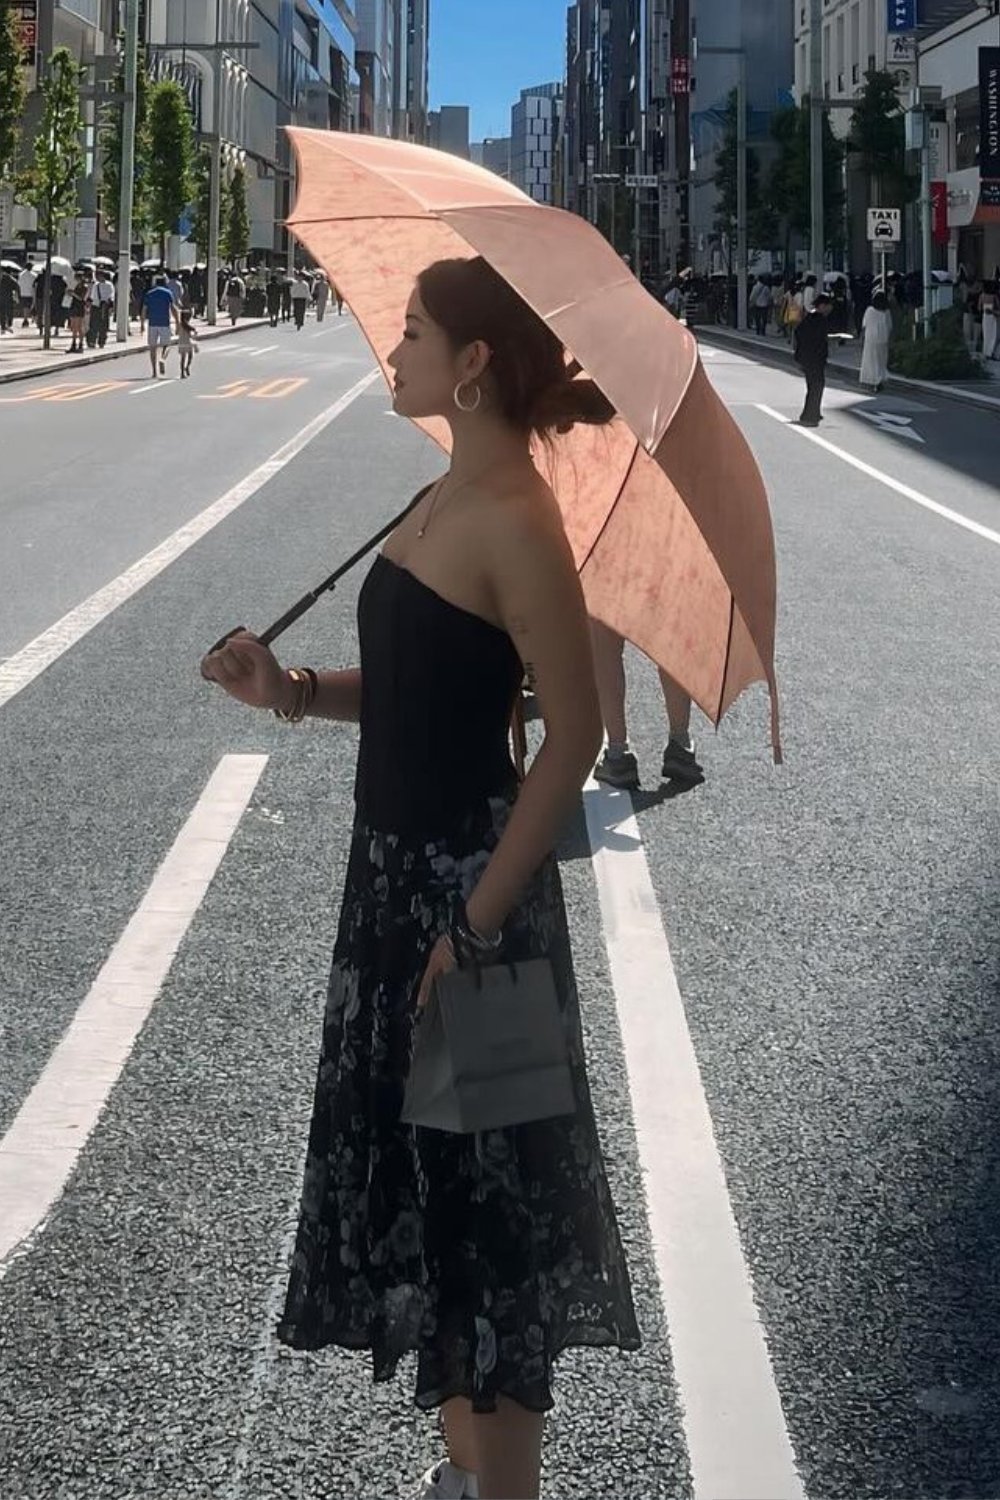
(475, 404)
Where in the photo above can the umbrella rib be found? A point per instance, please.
(607, 520)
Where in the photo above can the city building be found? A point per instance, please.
(380, 60)
(298, 69)
(496, 155)
(535, 125)
(448, 129)
(417, 124)
(940, 53)
(763, 33)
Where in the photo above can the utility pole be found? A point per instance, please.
(742, 251)
(215, 187)
(127, 182)
(817, 239)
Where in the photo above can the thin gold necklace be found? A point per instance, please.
(438, 491)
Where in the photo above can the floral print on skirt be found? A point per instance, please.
(487, 1254)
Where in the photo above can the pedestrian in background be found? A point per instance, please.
(286, 298)
(300, 298)
(102, 295)
(10, 296)
(235, 292)
(273, 300)
(809, 293)
(674, 301)
(989, 305)
(340, 301)
(158, 309)
(618, 766)
(187, 339)
(876, 330)
(26, 287)
(812, 349)
(760, 305)
(321, 296)
(77, 315)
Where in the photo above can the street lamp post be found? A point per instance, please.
(127, 172)
(817, 242)
(742, 253)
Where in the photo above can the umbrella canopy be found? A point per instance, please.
(60, 266)
(10, 265)
(665, 508)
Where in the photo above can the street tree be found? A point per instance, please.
(762, 223)
(12, 91)
(877, 136)
(111, 128)
(234, 237)
(171, 158)
(201, 199)
(50, 184)
(789, 183)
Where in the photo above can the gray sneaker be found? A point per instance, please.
(446, 1481)
(621, 771)
(680, 763)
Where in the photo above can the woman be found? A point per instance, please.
(488, 1254)
(876, 330)
(77, 315)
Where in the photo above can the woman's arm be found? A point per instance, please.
(540, 602)
(338, 696)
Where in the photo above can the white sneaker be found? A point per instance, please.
(446, 1481)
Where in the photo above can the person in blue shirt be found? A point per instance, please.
(158, 307)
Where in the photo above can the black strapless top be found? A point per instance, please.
(437, 688)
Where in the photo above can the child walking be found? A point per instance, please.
(187, 337)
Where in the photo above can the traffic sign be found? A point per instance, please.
(884, 227)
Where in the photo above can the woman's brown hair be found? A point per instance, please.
(535, 387)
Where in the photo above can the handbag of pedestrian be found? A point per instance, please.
(489, 1051)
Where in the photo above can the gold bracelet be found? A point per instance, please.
(296, 713)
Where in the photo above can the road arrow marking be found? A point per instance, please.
(890, 421)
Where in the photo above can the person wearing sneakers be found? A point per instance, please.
(618, 766)
(158, 307)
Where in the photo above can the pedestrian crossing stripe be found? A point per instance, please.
(84, 392)
(262, 390)
(37, 394)
(265, 390)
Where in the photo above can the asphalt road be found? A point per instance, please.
(833, 925)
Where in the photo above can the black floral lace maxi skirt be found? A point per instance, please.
(487, 1254)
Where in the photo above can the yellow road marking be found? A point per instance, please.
(227, 392)
(84, 392)
(37, 394)
(273, 390)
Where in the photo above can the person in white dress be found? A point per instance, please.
(876, 330)
(989, 306)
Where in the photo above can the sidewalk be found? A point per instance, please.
(845, 360)
(22, 355)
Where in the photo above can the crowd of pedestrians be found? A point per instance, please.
(163, 301)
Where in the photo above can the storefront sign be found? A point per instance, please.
(26, 25)
(680, 75)
(902, 15)
(989, 112)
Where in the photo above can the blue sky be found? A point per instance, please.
(484, 52)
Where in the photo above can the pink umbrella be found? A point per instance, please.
(665, 508)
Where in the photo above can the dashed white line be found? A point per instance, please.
(40, 1149)
(154, 385)
(737, 1437)
(908, 493)
(25, 665)
(265, 350)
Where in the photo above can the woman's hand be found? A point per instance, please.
(441, 961)
(249, 672)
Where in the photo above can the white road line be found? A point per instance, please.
(893, 484)
(332, 328)
(737, 1438)
(42, 1145)
(154, 385)
(25, 665)
(266, 350)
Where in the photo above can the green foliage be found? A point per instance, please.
(12, 94)
(234, 227)
(171, 157)
(201, 199)
(935, 358)
(111, 128)
(50, 184)
(790, 182)
(878, 137)
(763, 228)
